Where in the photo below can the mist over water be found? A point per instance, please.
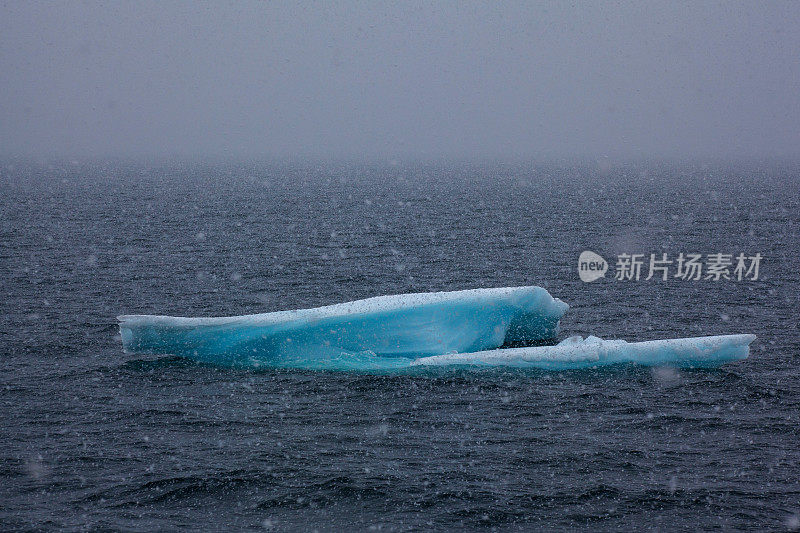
(407, 81)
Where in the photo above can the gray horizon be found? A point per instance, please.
(407, 81)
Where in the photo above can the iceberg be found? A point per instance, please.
(577, 352)
(360, 334)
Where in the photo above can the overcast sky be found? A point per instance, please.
(429, 80)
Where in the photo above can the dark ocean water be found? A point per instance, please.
(93, 439)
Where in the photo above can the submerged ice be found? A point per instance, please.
(380, 332)
(576, 352)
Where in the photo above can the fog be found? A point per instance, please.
(411, 80)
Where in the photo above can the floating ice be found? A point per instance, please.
(576, 352)
(414, 330)
(363, 334)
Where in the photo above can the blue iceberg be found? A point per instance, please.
(576, 352)
(380, 332)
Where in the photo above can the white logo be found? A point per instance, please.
(591, 266)
(686, 266)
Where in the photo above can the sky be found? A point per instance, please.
(374, 80)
